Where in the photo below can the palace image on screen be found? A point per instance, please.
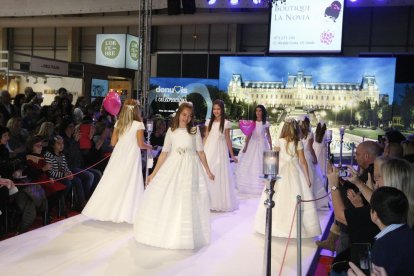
(356, 93)
(303, 26)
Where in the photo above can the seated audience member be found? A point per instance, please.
(357, 220)
(391, 172)
(6, 107)
(22, 201)
(59, 169)
(47, 132)
(75, 159)
(408, 150)
(101, 146)
(394, 245)
(393, 136)
(7, 188)
(393, 150)
(29, 121)
(36, 170)
(17, 137)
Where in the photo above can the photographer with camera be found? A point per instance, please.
(365, 154)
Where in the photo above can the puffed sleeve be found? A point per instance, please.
(199, 142)
(300, 145)
(167, 141)
(227, 125)
(207, 122)
(277, 143)
(140, 126)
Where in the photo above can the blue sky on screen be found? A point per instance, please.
(323, 69)
(171, 82)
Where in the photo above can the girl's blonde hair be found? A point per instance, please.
(290, 132)
(176, 121)
(47, 129)
(129, 112)
(399, 173)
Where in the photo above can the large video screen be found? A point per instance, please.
(303, 26)
(356, 93)
(166, 94)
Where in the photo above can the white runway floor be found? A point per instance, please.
(79, 246)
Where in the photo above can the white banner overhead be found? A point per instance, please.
(48, 66)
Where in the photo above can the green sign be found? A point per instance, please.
(110, 48)
(134, 50)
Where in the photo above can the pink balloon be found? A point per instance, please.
(247, 126)
(112, 103)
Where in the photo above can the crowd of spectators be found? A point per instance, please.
(366, 213)
(39, 143)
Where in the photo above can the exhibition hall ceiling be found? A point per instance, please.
(13, 8)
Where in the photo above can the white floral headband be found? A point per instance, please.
(189, 103)
(131, 107)
(289, 120)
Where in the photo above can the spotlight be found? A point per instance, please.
(211, 2)
(234, 2)
(257, 2)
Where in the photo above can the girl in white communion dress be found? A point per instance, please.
(175, 209)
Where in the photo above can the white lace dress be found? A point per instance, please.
(249, 170)
(119, 191)
(292, 183)
(315, 175)
(175, 209)
(222, 190)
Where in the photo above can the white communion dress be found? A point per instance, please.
(292, 182)
(315, 175)
(120, 189)
(222, 190)
(175, 209)
(249, 170)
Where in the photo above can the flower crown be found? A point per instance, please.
(189, 103)
(289, 120)
(131, 107)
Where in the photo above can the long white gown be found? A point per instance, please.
(249, 170)
(320, 152)
(315, 175)
(222, 190)
(175, 209)
(292, 182)
(119, 191)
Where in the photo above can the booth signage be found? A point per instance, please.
(133, 52)
(118, 50)
(110, 50)
(49, 66)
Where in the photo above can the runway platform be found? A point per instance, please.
(80, 246)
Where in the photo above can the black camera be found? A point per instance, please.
(343, 172)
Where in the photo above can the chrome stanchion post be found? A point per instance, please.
(341, 134)
(150, 128)
(328, 140)
(352, 153)
(270, 171)
(299, 234)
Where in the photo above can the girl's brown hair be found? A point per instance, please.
(221, 104)
(290, 132)
(176, 121)
(129, 112)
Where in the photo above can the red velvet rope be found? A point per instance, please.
(67, 176)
